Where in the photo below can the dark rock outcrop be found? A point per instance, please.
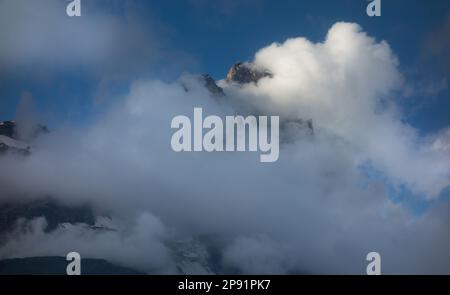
(243, 73)
(7, 128)
(211, 85)
(208, 82)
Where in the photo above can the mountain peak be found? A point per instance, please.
(243, 73)
(211, 85)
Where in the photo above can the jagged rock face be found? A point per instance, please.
(243, 73)
(208, 82)
(7, 128)
(10, 141)
(211, 85)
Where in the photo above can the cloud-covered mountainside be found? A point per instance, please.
(347, 161)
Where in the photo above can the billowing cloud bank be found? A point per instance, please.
(318, 209)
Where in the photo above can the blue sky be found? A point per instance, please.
(209, 36)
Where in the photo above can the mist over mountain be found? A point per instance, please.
(115, 190)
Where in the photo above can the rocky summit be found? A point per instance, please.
(243, 73)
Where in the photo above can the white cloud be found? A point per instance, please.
(307, 212)
(347, 85)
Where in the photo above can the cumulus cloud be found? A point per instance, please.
(347, 84)
(315, 210)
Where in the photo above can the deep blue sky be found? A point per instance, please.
(209, 36)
